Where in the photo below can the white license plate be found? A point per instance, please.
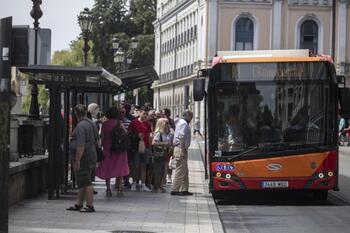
(275, 184)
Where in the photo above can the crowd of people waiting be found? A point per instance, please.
(138, 147)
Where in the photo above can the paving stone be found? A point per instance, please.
(136, 211)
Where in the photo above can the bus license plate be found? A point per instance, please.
(275, 184)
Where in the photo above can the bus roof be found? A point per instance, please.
(299, 55)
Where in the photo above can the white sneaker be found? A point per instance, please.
(145, 188)
(133, 187)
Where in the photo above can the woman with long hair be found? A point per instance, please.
(115, 164)
(161, 144)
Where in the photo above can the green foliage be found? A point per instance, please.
(26, 100)
(115, 20)
(143, 13)
(74, 56)
(43, 98)
(110, 19)
(144, 54)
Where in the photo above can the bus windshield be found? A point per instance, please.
(283, 113)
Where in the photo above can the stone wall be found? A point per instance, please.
(28, 177)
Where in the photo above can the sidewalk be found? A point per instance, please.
(135, 212)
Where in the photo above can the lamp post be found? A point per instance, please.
(120, 55)
(85, 20)
(333, 27)
(36, 14)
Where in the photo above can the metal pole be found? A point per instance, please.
(5, 108)
(205, 138)
(333, 28)
(51, 162)
(86, 48)
(54, 146)
(66, 137)
(36, 14)
(74, 102)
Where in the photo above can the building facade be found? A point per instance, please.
(188, 33)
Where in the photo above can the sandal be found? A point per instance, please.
(75, 208)
(87, 209)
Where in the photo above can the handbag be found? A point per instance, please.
(142, 147)
(100, 155)
(160, 150)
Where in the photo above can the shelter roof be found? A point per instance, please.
(137, 78)
(91, 79)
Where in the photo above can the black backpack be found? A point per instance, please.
(120, 139)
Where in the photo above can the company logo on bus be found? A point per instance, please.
(274, 167)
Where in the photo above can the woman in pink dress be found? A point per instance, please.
(114, 164)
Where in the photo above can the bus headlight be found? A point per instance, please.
(330, 173)
(228, 176)
(218, 174)
(320, 175)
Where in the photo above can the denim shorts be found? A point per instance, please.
(141, 159)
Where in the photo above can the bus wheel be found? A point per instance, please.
(320, 195)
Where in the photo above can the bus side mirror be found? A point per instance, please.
(198, 89)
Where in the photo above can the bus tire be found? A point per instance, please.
(320, 195)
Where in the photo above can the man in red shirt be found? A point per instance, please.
(142, 128)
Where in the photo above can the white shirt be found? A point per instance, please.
(182, 135)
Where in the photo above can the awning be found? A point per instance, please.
(91, 79)
(137, 78)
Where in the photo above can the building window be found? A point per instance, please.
(309, 36)
(244, 34)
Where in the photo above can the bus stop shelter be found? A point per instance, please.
(72, 83)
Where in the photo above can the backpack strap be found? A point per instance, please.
(160, 137)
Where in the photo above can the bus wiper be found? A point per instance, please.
(243, 153)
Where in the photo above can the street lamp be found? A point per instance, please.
(36, 14)
(120, 55)
(133, 43)
(85, 21)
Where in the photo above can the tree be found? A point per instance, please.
(110, 19)
(143, 55)
(116, 20)
(74, 56)
(143, 13)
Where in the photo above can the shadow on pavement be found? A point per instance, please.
(279, 198)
